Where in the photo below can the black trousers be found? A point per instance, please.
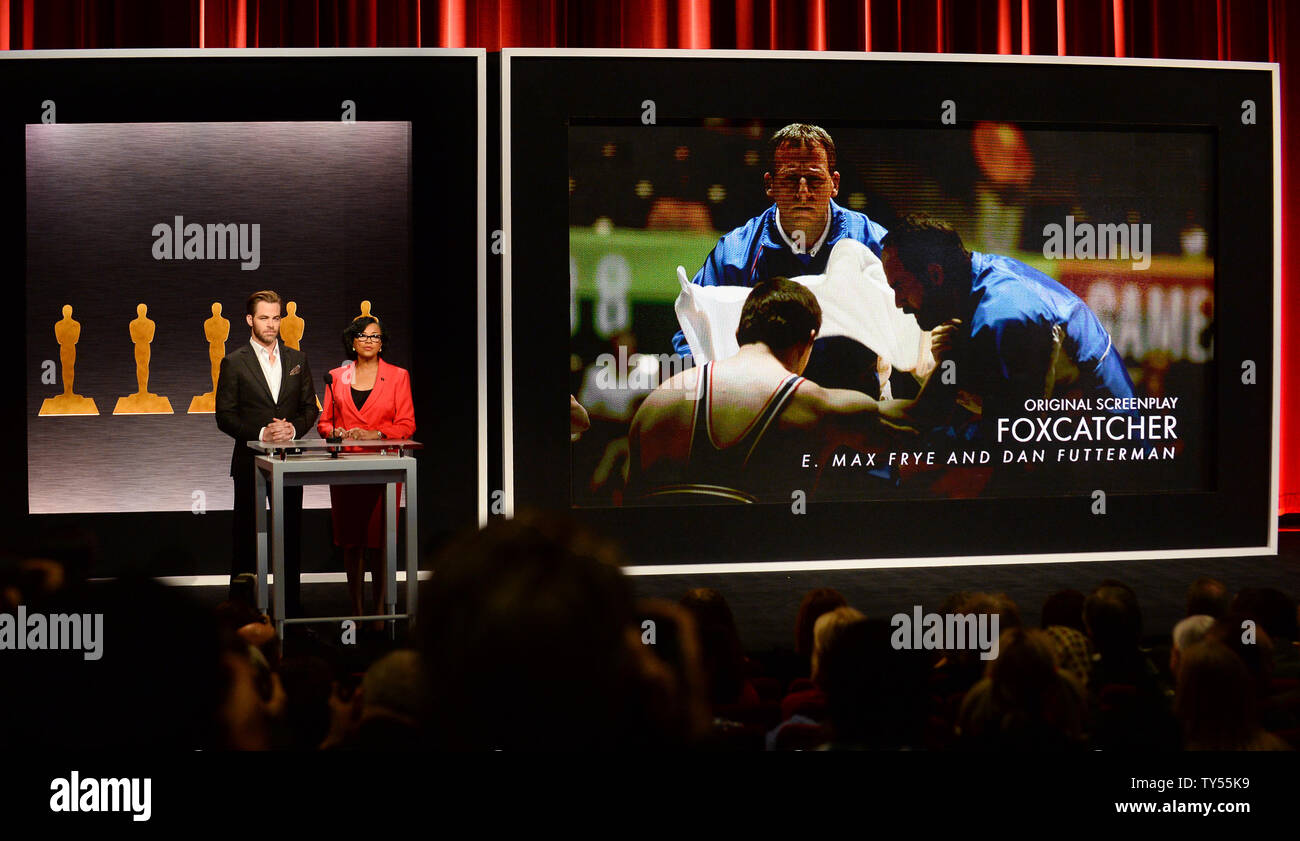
(244, 534)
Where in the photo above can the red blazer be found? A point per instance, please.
(388, 408)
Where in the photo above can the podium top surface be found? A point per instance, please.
(320, 444)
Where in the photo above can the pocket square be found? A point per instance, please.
(295, 370)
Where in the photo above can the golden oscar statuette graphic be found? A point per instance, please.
(67, 332)
(142, 402)
(291, 329)
(365, 312)
(292, 326)
(217, 330)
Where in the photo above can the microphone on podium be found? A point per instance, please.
(334, 437)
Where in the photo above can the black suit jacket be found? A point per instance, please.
(244, 403)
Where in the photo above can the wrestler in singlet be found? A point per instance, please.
(738, 472)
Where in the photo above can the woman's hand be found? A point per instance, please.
(363, 434)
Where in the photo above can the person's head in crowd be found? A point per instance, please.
(723, 655)
(1025, 667)
(875, 695)
(244, 706)
(824, 630)
(395, 688)
(1207, 596)
(527, 633)
(1216, 702)
(308, 682)
(1064, 608)
(1113, 620)
(1073, 652)
(1025, 703)
(386, 712)
(1274, 610)
(1189, 631)
(158, 677)
(990, 604)
(784, 315)
(813, 605)
(952, 603)
(45, 562)
(1245, 637)
(234, 614)
(673, 644)
(238, 619)
(260, 634)
(266, 681)
(1004, 606)
(960, 668)
(954, 600)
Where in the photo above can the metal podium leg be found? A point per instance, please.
(412, 549)
(277, 546)
(259, 505)
(390, 554)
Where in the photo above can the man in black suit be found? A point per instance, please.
(265, 392)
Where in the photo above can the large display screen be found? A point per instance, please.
(1108, 238)
(844, 310)
(155, 191)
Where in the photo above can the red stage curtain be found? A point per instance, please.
(1240, 30)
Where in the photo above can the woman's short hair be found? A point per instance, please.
(825, 629)
(356, 328)
(1216, 700)
(814, 604)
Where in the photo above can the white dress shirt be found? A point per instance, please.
(272, 372)
(816, 246)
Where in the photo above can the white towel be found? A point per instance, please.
(856, 302)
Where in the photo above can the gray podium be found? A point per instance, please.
(317, 462)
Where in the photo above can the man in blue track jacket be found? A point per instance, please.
(1014, 334)
(795, 235)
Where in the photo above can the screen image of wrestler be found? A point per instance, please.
(1059, 202)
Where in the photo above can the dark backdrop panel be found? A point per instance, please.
(94, 196)
(437, 96)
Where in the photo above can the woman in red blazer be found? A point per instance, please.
(369, 399)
